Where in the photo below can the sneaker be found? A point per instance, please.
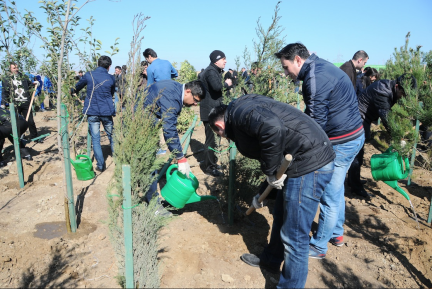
(213, 172)
(100, 170)
(28, 157)
(315, 254)
(254, 261)
(3, 164)
(41, 110)
(160, 152)
(162, 212)
(337, 241)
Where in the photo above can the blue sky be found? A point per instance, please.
(191, 29)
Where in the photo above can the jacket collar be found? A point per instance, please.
(101, 69)
(215, 66)
(305, 67)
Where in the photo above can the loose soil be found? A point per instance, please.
(383, 247)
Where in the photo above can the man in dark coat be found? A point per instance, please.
(376, 102)
(212, 79)
(99, 106)
(17, 87)
(357, 62)
(266, 130)
(331, 101)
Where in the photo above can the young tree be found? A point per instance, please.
(404, 114)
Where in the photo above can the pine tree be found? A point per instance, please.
(404, 114)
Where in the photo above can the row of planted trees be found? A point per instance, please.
(63, 38)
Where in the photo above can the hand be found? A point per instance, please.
(228, 81)
(184, 167)
(36, 83)
(277, 184)
(257, 205)
(403, 143)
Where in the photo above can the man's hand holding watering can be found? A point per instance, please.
(184, 167)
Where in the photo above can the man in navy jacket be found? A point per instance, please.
(166, 99)
(332, 102)
(98, 105)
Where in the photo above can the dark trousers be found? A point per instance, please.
(23, 109)
(355, 168)
(210, 159)
(6, 132)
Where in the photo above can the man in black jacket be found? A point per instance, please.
(376, 102)
(331, 101)
(212, 79)
(357, 62)
(17, 88)
(265, 129)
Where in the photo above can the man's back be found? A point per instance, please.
(100, 89)
(167, 94)
(330, 99)
(377, 100)
(159, 70)
(349, 69)
(266, 129)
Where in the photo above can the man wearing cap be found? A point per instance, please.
(212, 79)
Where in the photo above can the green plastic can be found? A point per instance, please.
(389, 166)
(83, 167)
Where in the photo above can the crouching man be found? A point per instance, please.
(267, 130)
(167, 98)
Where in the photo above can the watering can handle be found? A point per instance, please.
(407, 167)
(168, 173)
(82, 156)
(282, 169)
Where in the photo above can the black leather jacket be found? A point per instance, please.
(265, 129)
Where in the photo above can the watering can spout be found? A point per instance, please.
(197, 198)
(394, 185)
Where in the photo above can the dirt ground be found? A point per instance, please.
(383, 247)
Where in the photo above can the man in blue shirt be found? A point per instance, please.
(159, 69)
(98, 105)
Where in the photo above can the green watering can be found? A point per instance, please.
(83, 167)
(389, 168)
(180, 190)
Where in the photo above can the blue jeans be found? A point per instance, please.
(332, 204)
(294, 211)
(94, 129)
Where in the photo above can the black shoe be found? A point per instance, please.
(361, 192)
(3, 164)
(253, 260)
(213, 172)
(100, 170)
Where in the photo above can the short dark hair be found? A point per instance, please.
(144, 63)
(360, 54)
(13, 63)
(254, 65)
(197, 88)
(370, 71)
(406, 78)
(80, 71)
(149, 52)
(104, 61)
(118, 67)
(217, 113)
(291, 50)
